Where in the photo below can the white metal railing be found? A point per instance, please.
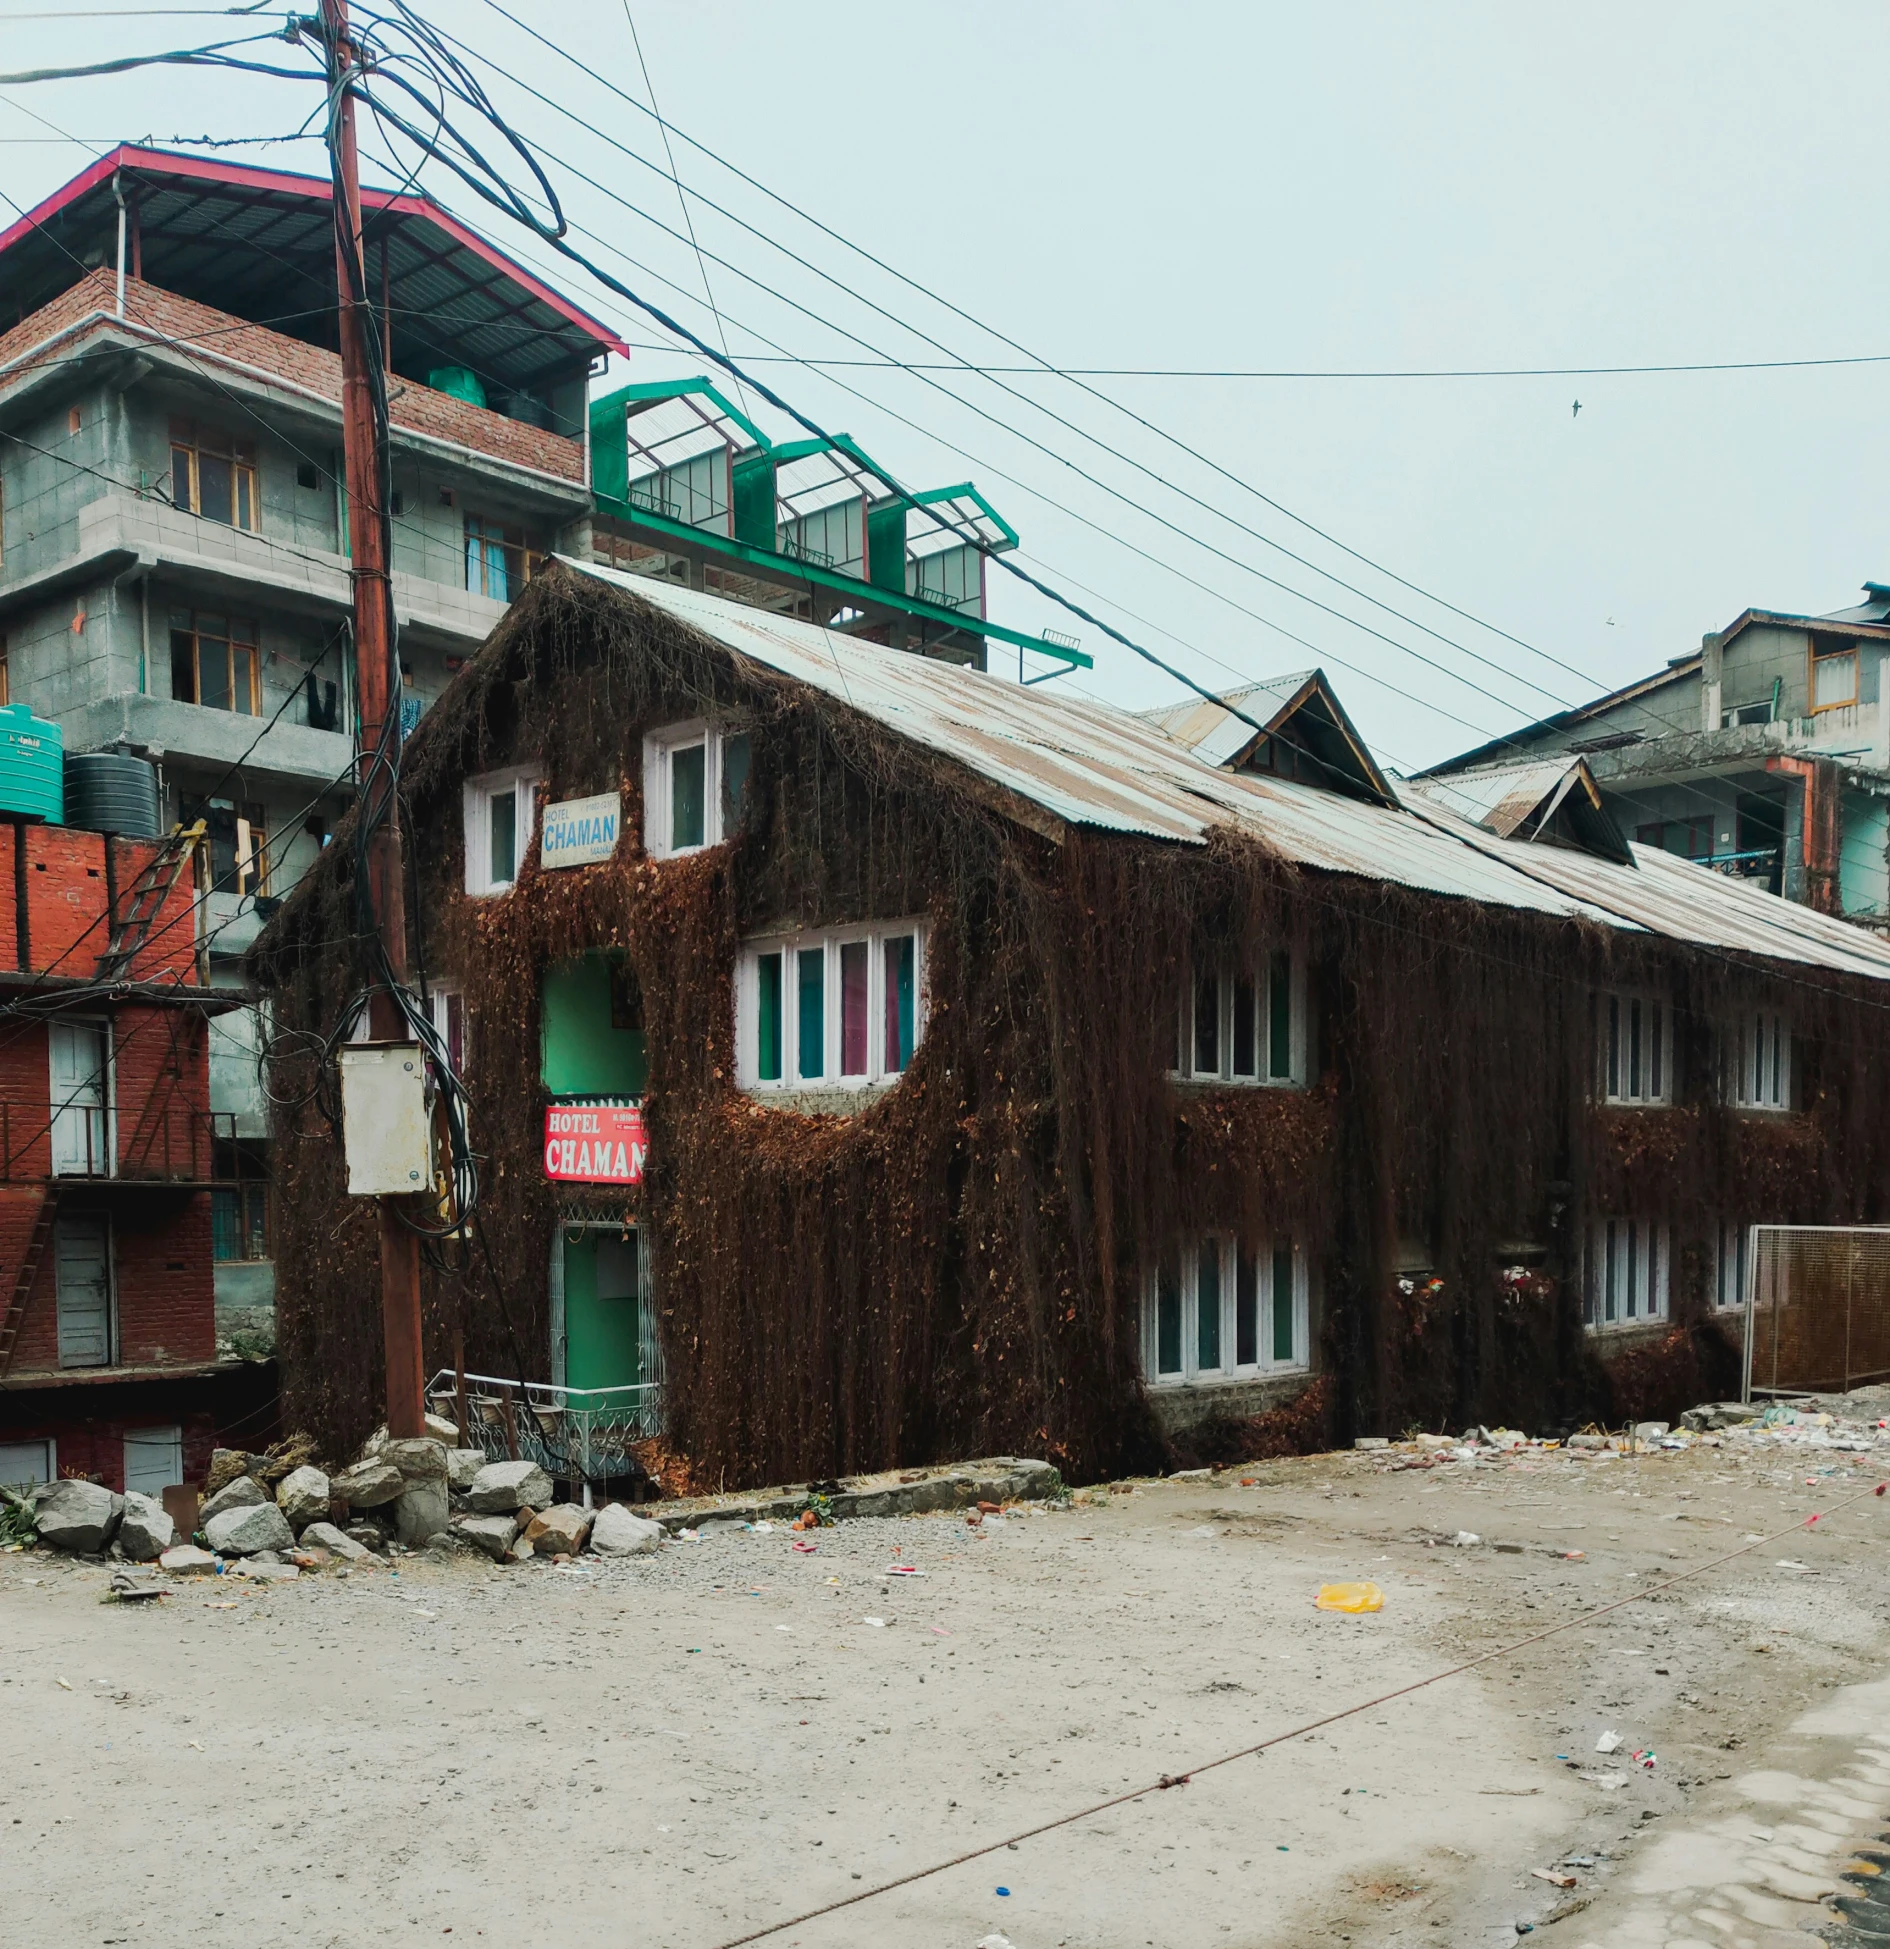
(576, 1433)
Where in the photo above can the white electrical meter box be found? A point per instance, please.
(385, 1130)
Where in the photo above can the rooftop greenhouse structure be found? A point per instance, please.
(690, 490)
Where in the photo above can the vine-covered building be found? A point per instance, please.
(901, 1063)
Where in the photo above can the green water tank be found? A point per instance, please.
(460, 382)
(32, 767)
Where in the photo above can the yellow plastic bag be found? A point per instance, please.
(1350, 1598)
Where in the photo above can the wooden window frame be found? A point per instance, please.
(190, 444)
(521, 558)
(1260, 987)
(192, 628)
(1855, 652)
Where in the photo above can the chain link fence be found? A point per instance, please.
(1817, 1308)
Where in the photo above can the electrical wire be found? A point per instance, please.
(1167, 1782)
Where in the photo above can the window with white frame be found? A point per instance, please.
(1627, 1272)
(695, 779)
(500, 809)
(1216, 1309)
(1762, 1056)
(1729, 1277)
(1244, 1026)
(1636, 1048)
(840, 1009)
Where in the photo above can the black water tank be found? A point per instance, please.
(106, 791)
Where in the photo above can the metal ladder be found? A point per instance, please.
(29, 1271)
(149, 892)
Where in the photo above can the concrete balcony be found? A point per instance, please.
(120, 532)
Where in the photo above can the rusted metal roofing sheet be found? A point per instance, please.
(1665, 895)
(1092, 765)
(1502, 797)
(1211, 730)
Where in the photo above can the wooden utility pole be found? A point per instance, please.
(379, 695)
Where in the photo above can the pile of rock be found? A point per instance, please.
(90, 1520)
(510, 1516)
(425, 1492)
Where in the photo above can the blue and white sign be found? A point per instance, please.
(580, 832)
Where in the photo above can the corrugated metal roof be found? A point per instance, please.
(1093, 765)
(1210, 729)
(1501, 797)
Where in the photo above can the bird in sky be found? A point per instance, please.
(1576, 408)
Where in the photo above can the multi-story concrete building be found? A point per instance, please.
(1765, 753)
(174, 576)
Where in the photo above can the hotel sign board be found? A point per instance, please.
(580, 832)
(595, 1143)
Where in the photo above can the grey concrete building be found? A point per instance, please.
(1765, 753)
(174, 578)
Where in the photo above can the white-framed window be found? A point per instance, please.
(1762, 1060)
(1627, 1272)
(1729, 1271)
(840, 1009)
(447, 1007)
(1244, 1026)
(694, 780)
(500, 809)
(1636, 1048)
(1215, 1309)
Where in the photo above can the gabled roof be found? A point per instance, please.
(1516, 744)
(1302, 710)
(1056, 761)
(260, 243)
(1553, 800)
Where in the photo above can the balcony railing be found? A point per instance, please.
(88, 1143)
(578, 1434)
(1759, 863)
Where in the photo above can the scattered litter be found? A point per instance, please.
(1466, 1539)
(994, 1941)
(784, 1627)
(1607, 1742)
(1646, 1757)
(127, 1589)
(905, 1570)
(1787, 1563)
(1607, 1782)
(806, 1549)
(1003, 1891)
(764, 1529)
(1206, 1529)
(878, 1623)
(196, 1745)
(63, 1685)
(1554, 1879)
(938, 1630)
(1353, 1599)
(688, 1536)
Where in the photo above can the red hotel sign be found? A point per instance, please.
(595, 1144)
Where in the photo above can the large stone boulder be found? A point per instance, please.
(462, 1465)
(303, 1496)
(77, 1516)
(443, 1430)
(420, 1513)
(145, 1530)
(421, 1460)
(186, 1560)
(560, 1531)
(500, 1487)
(244, 1493)
(337, 1542)
(244, 1531)
(616, 1532)
(369, 1483)
(492, 1534)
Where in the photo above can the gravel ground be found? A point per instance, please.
(672, 1751)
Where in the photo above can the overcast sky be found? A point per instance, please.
(1254, 186)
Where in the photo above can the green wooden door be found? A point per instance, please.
(603, 1310)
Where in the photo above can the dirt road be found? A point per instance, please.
(674, 1750)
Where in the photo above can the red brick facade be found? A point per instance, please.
(150, 1184)
(215, 338)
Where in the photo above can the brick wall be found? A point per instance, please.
(94, 1445)
(162, 1275)
(215, 336)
